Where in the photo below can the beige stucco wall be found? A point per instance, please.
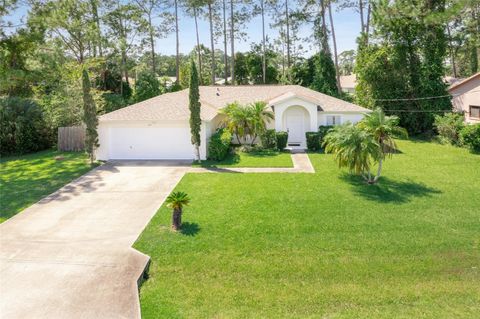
(465, 95)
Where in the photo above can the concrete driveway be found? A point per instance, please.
(70, 255)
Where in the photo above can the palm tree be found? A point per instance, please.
(177, 200)
(384, 129)
(259, 117)
(353, 148)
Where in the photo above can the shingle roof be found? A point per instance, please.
(460, 83)
(174, 106)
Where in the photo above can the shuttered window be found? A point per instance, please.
(333, 120)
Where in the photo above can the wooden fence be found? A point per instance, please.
(71, 138)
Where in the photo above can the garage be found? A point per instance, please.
(149, 141)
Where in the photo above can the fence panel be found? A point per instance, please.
(71, 138)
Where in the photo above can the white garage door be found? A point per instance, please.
(151, 143)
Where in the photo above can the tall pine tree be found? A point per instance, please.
(89, 118)
(194, 106)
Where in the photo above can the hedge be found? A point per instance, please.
(219, 145)
(282, 138)
(322, 131)
(313, 141)
(23, 128)
(470, 136)
(268, 139)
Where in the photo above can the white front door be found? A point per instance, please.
(295, 128)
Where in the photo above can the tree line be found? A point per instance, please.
(404, 49)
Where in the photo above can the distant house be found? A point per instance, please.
(466, 98)
(348, 83)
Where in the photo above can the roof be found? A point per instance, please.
(348, 81)
(174, 106)
(458, 84)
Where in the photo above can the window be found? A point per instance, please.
(333, 120)
(475, 111)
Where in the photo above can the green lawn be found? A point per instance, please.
(252, 159)
(323, 245)
(25, 179)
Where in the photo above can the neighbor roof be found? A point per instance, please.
(458, 84)
(174, 106)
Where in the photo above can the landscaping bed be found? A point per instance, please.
(257, 158)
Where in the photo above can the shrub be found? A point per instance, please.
(322, 131)
(470, 135)
(313, 141)
(219, 145)
(146, 87)
(282, 138)
(23, 128)
(268, 139)
(448, 127)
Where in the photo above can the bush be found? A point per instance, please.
(23, 128)
(448, 127)
(282, 138)
(268, 139)
(219, 145)
(313, 141)
(322, 131)
(470, 135)
(146, 87)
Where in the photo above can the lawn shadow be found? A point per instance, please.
(388, 190)
(189, 229)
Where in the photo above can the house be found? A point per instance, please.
(466, 98)
(348, 83)
(158, 128)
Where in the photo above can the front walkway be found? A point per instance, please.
(70, 255)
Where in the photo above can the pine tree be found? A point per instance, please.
(194, 105)
(89, 117)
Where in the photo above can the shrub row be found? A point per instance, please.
(282, 138)
(219, 145)
(315, 139)
(470, 135)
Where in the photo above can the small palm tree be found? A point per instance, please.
(177, 200)
(259, 117)
(384, 129)
(353, 148)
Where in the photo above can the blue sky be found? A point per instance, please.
(347, 28)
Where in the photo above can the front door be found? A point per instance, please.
(295, 128)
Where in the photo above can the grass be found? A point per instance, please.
(323, 245)
(262, 158)
(26, 179)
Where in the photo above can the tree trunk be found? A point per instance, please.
(212, 45)
(452, 55)
(198, 47)
(232, 42)
(337, 73)
(287, 17)
(264, 58)
(225, 60)
(177, 219)
(367, 31)
(177, 56)
(379, 171)
(360, 8)
(97, 22)
(197, 153)
(152, 44)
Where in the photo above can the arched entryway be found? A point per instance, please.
(296, 121)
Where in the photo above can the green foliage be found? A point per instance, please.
(219, 145)
(89, 118)
(23, 128)
(322, 131)
(194, 106)
(111, 102)
(268, 139)
(241, 68)
(177, 200)
(324, 78)
(146, 87)
(470, 136)
(448, 127)
(313, 141)
(353, 148)
(282, 139)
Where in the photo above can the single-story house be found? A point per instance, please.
(466, 98)
(158, 128)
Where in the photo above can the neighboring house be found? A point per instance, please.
(466, 98)
(158, 128)
(348, 83)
